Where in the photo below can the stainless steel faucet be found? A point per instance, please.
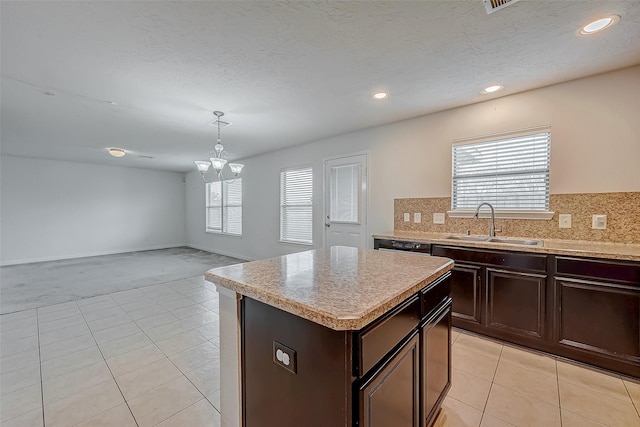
(492, 228)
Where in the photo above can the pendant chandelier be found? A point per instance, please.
(217, 157)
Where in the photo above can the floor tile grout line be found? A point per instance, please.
(174, 365)
(555, 361)
(112, 377)
(184, 409)
(631, 397)
(40, 367)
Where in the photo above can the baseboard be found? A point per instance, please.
(225, 253)
(90, 254)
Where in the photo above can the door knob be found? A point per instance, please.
(326, 224)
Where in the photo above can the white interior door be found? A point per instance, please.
(346, 201)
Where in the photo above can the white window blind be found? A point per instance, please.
(345, 193)
(511, 173)
(224, 207)
(296, 209)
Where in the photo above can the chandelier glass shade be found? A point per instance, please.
(216, 158)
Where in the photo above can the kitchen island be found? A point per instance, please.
(335, 337)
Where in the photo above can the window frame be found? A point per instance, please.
(222, 207)
(282, 206)
(542, 214)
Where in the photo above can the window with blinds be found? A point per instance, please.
(224, 207)
(511, 173)
(296, 209)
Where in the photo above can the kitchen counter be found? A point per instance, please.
(365, 316)
(620, 251)
(341, 288)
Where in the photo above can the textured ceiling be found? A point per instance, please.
(284, 73)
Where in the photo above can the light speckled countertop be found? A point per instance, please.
(621, 251)
(341, 288)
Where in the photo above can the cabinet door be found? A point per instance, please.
(435, 342)
(599, 317)
(390, 397)
(465, 292)
(516, 302)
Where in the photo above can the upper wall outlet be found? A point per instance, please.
(564, 221)
(599, 222)
(438, 218)
(417, 217)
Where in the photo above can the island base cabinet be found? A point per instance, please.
(313, 390)
(394, 372)
(390, 398)
(436, 362)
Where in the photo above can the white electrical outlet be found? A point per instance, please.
(406, 217)
(417, 217)
(438, 218)
(599, 222)
(564, 221)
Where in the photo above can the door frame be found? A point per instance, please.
(365, 181)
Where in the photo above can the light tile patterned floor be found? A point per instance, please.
(150, 356)
(497, 385)
(142, 357)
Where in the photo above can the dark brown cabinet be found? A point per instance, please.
(501, 294)
(516, 302)
(597, 312)
(435, 334)
(390, 398)
(466, 293)
(586, 309)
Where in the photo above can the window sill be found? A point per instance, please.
(220, 233)
(289, 242)
(504, 214)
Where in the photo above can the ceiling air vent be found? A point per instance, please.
(493, 5)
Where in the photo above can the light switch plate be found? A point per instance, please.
(406, 217)
(564, 221)
(438, 218)
(599, 222)
(417, 217)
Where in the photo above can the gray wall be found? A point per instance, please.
(52, 209)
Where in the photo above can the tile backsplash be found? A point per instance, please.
(622, 211)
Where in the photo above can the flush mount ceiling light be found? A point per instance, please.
(491, 89)
(117, 152)
(216, 157)
(599, 25)
(380, 95)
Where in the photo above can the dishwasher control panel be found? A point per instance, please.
(401, 245)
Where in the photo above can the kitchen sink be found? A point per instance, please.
(525, 242)
(465, 238)
(503, 240)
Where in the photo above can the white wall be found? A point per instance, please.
(595, 147)
(54, 210)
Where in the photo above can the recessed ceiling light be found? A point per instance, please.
(117, 152)
(491, 89)
(380, 95)
(599, 24)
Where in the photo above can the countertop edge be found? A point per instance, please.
(590, 253)
(323, 318)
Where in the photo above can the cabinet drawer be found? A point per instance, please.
(599, 269)
(521, 261)
(435, 293)
(381, 336)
